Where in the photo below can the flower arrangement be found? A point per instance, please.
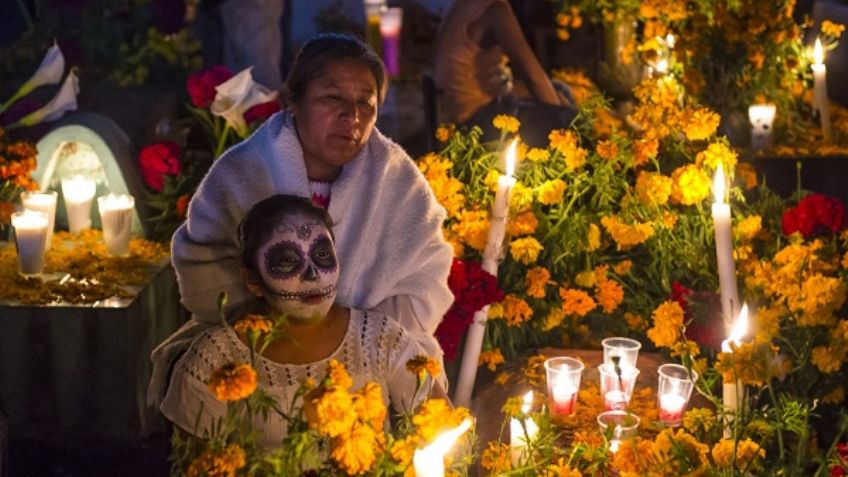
(331, 428)
(225, 108)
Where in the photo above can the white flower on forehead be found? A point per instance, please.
(49, 72)
(237, 95)
(65, 100)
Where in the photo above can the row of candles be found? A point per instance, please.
(34, 224)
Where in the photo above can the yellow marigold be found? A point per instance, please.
(356, 450)
(553, 319)
(563, 140)
(218, 463)
(329, 411)
(422, 365)
(750, 363)
(644, 150)
(691, 185)
(633, 457)
(576, 302)
(699, 420)
(593, 238)
(747, 175)
(700, 124)
(550, 192)
(491, 179)
(835, 396)
(502, 378)
(522, 197)
(668, 323)
(232, 382)
(403, 450)
(832, 28)
(496, 310)
(369, 405)
(607, 149)
(653, 189)
(535, 281)
(472, 228)
(516, 310)
(506, 123)
(635, 322)
(445, 131)
(748, 228)
(435, 416)
(670, 446)
(827, 359)
(819, 298)
(433, 165)
(626, 236)
(525, 250)
(448, 192)
(623, 267)
(560, 469)
(746, 452)
(496, 457)
(585, 279)
(609, 294)
(491, 358)
(766, 322)
(538, 155)
(524, 223)
(717, 153)
(254, 323)
(338, 374)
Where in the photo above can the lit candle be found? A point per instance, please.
(518, 438)
(564, 398)
(761, 117)
(616, 388)
(626, 350)
(674, 389)
(30, 234)
(44, 201)
(563, 381)
(430, 461)
(78, 193)
(821, 102)
(116, 213)
(391, 20)
(724, 250)
(731, 390)
(671, 407)
(621, 425)
(491, 254)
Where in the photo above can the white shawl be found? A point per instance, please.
(392, 254)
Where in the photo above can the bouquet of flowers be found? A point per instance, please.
(225, 108)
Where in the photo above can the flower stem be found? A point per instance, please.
(222, 141)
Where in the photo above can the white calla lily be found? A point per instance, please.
(237, 95)
(65, 100)
(49, 72)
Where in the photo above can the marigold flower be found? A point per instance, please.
(750, 363)
(403, 450)
(369, 405)
(538, 155)
(491, 358)
(560, 469)
(472, 228)
(832, 28)
(748, 228)
(218, 463)
(626, 236)
(338, 374)
(653, 189)
(254, 323)
(717, 153)
(550, 192)
(835, 396)
(535, 281)
(506, 123)
(623, 267)
(525, 250)
(444, 132)
(746, 453)
(554, 319)
(356, 450)
(691, 185)
(609, 294)
(329, 411)
(421, 365)
(563, 140)
(576, 302)
(746, 173)
(496, 457)
(524, 223)
(633, 456)
(670, 446)
(585, 279)
(435, 416)
(827, 359)
(516, 310)
(232, 382)
(699, 420)
(668, 323)
(700, 124)
(593, 238)
(644, 150)
(635, 322)
(607, 149)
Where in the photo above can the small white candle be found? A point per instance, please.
(116, 213)
(30, 234)
(731, 391)
(44, 201)
(761, 117)
(821, 102)
(494, 245)
(671, 407)
(724, 249)
(78, 193)
(430, 461)
(518, 440)
(564, 398)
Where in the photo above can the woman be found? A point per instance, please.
(391, 250)
(476, 43)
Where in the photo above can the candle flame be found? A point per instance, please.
(718, 184)
(670, 40)
(662, 66)
(510, 157)
(740, 326)
(528, 402)
(818, 53)
(442, 444)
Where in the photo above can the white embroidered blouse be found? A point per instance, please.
(375, 348)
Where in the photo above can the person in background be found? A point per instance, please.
(252, 36)
(478, 46)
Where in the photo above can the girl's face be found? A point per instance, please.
(298, 268)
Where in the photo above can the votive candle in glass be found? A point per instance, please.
(618, 426)
(42, 201)
(30, 233)
(563, 379)
(617, 389)
(116, 212)
(762, 121)
(626, 349)
(673, 392)
(78, 193)
(522, 433)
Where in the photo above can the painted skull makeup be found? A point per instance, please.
(298, 268)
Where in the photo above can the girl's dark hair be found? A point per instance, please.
(258, 225)
(318, 52)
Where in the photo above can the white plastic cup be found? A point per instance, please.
(43, 201)
(30, 233)
(116, 212)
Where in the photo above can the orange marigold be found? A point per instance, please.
(576, 302)
(254, 323)
(516, 310)
(218, 463)
(233, 382)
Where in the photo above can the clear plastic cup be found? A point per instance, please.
(617, 390)
(673, 392)
(626, 349)
(563, 379)
(30, 233)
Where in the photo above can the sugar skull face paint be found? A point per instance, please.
(298, 268)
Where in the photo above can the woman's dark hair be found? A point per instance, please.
(324, 49)
(258, 225)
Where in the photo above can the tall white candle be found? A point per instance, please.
(30, 234)
(724, 250)
(491, 254)
(821, 102)
(78, 193)
(44, 201)
(116, 213)
(518, 439)
(430, 461)
(733, 392)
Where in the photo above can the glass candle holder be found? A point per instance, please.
(42, 201)
(673, 392)
(563, 379)
(762, 118)
(626, 349)
(617, 390)
(30, 233)
(618, 426)
(116, 213)
(78, 193)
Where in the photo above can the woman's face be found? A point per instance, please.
(335, 117)
(298, 268)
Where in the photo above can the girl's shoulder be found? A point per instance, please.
(211, 350)
(380, 337)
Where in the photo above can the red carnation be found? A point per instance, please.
(158, 160)
(815, 214)
(201, 85)
(261, 111)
